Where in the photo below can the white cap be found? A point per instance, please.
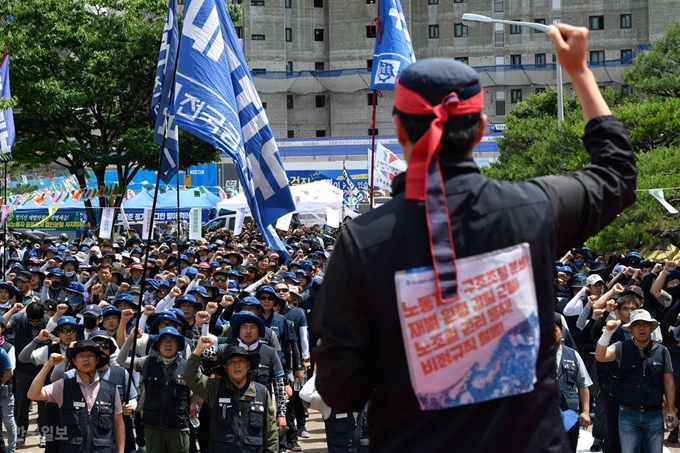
(594, 279)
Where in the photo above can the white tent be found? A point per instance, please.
(312, 197)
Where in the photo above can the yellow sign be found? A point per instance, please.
(187, 180)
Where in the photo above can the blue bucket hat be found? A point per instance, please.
(164, 283)
(180, 317)
(169, 332)
(125, 297)
(265, 289)
(13, 291)
(56, 272)
(250, 301)
(110, 310)
(163, 316)
(306, 263)
(104, 335)
(65, 321)
(183, 257)
(190, 272)
(78, 288)
(245, 316)
(577, 281)
(200, 290)
(188, 298)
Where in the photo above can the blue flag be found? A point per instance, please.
(216, 100)
(7, 133)
(161, 99)
(393, 49)
(352, 196)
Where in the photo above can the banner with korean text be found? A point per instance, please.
(481, 346)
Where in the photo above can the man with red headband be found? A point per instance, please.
(456, 222)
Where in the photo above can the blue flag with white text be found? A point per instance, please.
(161, 98)
(393, 49)
(352, 196)
(216, 100)
(7, 133)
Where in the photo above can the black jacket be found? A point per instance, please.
(358, 322)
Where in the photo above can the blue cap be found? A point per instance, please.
(200, 290)
(577, 281)
(76, 287)
(166, 315)
(163, 283)
(190, 272)
(183, 257)
(290, 275)
(56, 272)
(245, 316)
(250, 301)
(306, 263)
(172, 332)
(110, 310)
(436, 78)
(125, 297)
(565, 269)
(65, 321)
(188, 298)
(93, 309)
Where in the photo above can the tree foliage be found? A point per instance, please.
(533, 145)
(83, 77)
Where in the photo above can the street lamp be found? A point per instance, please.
(540, 27)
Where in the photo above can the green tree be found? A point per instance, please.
(83, 76)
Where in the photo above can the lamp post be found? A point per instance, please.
(540, 27)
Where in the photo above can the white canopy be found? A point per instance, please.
(312, 197)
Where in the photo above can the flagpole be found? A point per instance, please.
(179, 229)
(138, 314)
(4, 227)
(378, 32)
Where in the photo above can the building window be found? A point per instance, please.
(500, 103)
(287, 3)
(515, 29)
(497, 6)
(459, 1)
(319, 66)
(181, 2)
(256, 2)
(369, 63)
(432, 2)
(515, 60)
(462, 60)
(291, 133)
(596, 22)
(539, 59)
(499, 35)
(556, 4)
(372, 132)
(320, 133)
(257, 37)
(264, 105)
(239, 32)
(318, 3)
(434, 31)
(539, 21)
(289, 102)
(318, 34)
(626, 21)
(320, 100)
(626, 89)
(370, 2)
(258, 70)
(289, 35)
(289, 66)
(370, 31)
(515, 96)
(626, 54)
(460, 30)
(369, 98)
(539, 90)
(596, 56)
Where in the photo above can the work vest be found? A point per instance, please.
(644, 386)
(87, 433)
(567, 375)
(340, 427)
(166, 401)
(234, 431)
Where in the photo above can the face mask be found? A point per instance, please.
(579, 264)
(90, 323)
(70, 274)
(56, 285)
(74, 300)
(675, 292)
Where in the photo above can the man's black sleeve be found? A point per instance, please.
(589, 199)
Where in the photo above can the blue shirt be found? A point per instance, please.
(5, 362)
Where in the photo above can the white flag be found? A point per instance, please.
(148, 223)
(238, 222)
(332, 217)
(658, 194)
(124, 218)
(284, 222)
(195, 223)
(107, 223)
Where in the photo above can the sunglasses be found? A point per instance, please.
(267, 298)
(67, 331)
(104, 346)
(220, 279)
(281, 290)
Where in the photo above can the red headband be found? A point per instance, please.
(424, 180)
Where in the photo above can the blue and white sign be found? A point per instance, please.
(7, 133)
